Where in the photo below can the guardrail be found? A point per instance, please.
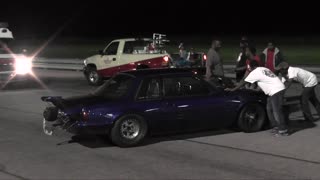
(58, 63)
(77, 65)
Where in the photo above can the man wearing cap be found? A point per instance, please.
(214, 64)
(309, 82)
(272, 86)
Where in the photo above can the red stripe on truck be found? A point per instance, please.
(158, 62)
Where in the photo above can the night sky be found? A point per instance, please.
(116, 18)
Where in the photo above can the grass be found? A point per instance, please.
(297, 50)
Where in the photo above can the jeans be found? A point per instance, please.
(275, 111)
(309, 94)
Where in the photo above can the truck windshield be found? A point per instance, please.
(115, 88)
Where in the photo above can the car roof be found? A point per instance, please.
(133, 39)
(161, 71)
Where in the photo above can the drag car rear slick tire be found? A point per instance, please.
(116, 135)
(93, 77)
(252, 118)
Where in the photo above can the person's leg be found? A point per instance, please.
(277, 103)
(315, 101)
(305, 97)
(273, 123)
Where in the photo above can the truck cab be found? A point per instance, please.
(124, 55)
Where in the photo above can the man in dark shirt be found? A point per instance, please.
(241, 61)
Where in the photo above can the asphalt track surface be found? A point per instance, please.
(27, 153)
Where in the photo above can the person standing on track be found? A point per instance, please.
(272, 56)
(309, 82)
(214, 65)
(272, 86)
(241, 61)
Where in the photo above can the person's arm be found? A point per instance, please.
(208, 72)
(242, 68)
(280, 57)
(209, 66)
(286, 81)
(241, 83)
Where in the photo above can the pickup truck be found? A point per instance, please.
(124, 55)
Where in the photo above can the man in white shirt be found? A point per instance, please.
(272, 86)
(309, 82)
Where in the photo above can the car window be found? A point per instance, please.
(112, 49)
(116, 87)
(150, 89)
(184, 86)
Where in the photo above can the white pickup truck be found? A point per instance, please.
(126, 54)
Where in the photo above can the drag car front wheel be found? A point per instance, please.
(252, 118)
(129, 130)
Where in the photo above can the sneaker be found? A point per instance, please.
(282, 133)
(274, 130)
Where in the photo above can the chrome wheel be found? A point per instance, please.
(130, 129)
(252, 118)
(93, 76)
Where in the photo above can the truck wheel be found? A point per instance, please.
(93, 77)
(252, 118)
(129, 130)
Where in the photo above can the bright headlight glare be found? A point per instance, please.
(23, 65)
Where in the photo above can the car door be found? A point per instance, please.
(161, 115)
(198, 105)
(109, 59)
